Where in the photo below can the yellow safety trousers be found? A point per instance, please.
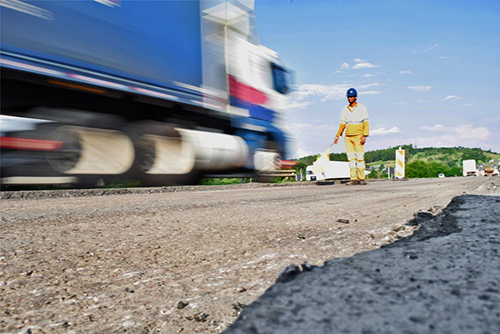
(356, 157)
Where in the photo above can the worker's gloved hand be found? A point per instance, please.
(363, 140)
(336, 140)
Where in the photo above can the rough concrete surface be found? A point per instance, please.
(189, 260)
(61, 193)
(445, 278)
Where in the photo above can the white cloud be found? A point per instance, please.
(297, 105)
(312, 137)
(359, 66)
(370, 92)
(436, 127)
(308, 128)
(427, 49)
(461, 133)
(401, 102)
(468, 105)
(466, 135)
(373, 84)
(300, 152)
(384, 131)
(451, 97)
(344, 66)
(420, 88)
(368, 75)
(430, 48)
(406, 72)
(495, 119)
(329, 92)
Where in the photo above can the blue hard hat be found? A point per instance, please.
(351, 92)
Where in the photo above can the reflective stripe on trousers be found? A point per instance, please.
(356, 156)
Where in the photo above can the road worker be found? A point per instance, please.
(354, 119)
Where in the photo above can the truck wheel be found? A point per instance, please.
(271, 164)
(161, 156)
(93, 147)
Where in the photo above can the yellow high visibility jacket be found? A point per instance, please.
(355, 121)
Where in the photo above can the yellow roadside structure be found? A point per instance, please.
(400, 163)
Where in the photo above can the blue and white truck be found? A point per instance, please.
(160, 91)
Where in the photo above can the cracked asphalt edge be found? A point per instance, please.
(445, 278)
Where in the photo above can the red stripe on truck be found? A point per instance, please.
(246, 93)
(29, 144)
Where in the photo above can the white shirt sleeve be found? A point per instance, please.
(343, 116)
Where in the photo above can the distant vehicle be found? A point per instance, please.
(332, 170)
(490, 171)
(440, 175)
(469, 168)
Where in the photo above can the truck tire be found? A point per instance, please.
(271, 146)
(151, 140)
(72, 125)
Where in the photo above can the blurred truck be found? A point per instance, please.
(469, 168)
(160, 91)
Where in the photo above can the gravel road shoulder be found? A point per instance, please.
(445, 278)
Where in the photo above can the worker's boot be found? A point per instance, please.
(362, 182)
(351, 183)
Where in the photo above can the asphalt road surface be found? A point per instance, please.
(445, 278)
(190, 260)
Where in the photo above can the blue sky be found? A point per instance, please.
(428, 71)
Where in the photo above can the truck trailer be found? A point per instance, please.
(160, 91)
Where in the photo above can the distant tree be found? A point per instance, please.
(451, 163)
(309, 160)
(452, 171)
(475, 154)
(435, 168)
(338, 157)
(417, 168)
(300, 167)
(420, 168)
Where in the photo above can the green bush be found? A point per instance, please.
(223, 181)
(420, 168)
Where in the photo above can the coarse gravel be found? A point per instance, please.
(445, 278)
(69, 193)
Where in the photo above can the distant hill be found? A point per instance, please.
(450, 156)
(420, 162)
